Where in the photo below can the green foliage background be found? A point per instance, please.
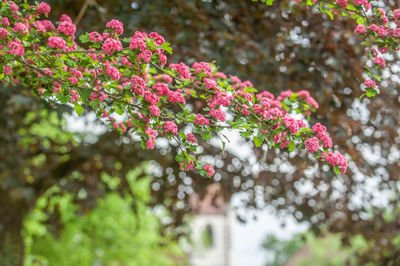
(120, 230)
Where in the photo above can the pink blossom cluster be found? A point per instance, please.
(379, 61)
(56, 42)
(312, 144)
(67, 28)
(95, 36)
(170, 127)
(3, 33)
(16, 48)
(158, 39)
(182, 69)
(43, 8)
(116, 25)
(187, 165)
(111, 45)
(209, 169)
(138, 41)
(113, 72)
(336, 159)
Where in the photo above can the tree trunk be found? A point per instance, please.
(11, 241)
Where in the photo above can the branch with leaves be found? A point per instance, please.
(126, 82)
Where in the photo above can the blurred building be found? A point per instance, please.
(211, 229)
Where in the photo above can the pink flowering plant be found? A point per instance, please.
(127, 81)
(377, 25)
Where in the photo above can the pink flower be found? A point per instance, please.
(158, 39)
(311, 101)
(337, 159)
(218, 114)
(209, 169)
(43, 8)
(191, 138)
(382, 32)
(170, 127)
(56, 42)
(161, 88)
(66, 18)
(93, 96)
(183, 70)
(383, 50)
(210, 84)
(150, 143)
(151, 98)
(202, 67)
(327, 141)
(379, 61)
(73, 80)
(277, 138)
(138, 41)
(291, 124)
(166, 78)
(3, 33)
(163, 59)
(95, 36)
(112, 72)
(14, 6)
(16, 48)
(286, 94)
(103, 96)
(7, 70)
(301, 123)
(201, 120)
(116, 25)
(74, 96)
(342, 3)
(145, 55)
(312, 144)
(373, 27)
(360, 29)
(187, 166)
(154, 110)
(19, 27)
(111, 45)
(317, 128)
(39, 26)
(176, 97)
(48, 25)
(5, 22)
(67, 28)
(396, 15)
(370, 84)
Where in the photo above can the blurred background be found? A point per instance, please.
(73, 192)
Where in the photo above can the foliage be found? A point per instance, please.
(121, 229)
(309, 249)
(281, 250)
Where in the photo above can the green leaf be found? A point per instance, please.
(371, 93)
(79, 109)
(291, 146)
(84, 38)
(257, 142)
(245, 134)
(337, 170)
(206, 136)
(250, 89)
(179, 158)
(269, 2)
